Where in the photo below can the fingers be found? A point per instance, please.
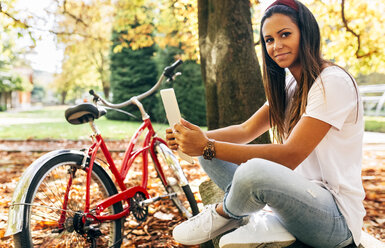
(169, 130)
(184, 135)
(189, 125)
(170, 139)
(184, 126)
(172, 145)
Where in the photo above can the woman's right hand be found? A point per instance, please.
(170, 139)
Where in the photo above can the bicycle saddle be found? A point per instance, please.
(83, 113)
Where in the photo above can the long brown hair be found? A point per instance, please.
(274, 76)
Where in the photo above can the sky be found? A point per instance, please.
(47, 56)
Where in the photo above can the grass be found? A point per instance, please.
(375, 124)
(50, 123)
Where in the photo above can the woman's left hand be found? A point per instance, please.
(190, 138)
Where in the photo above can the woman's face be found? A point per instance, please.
(282, 37)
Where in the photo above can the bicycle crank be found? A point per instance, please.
(158, 198)
(139, 204)
(140, 212)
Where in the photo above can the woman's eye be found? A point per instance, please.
(286, 34)
(268, 40)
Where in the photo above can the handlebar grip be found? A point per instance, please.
(177, 63)
(169, 70)
(96, 96)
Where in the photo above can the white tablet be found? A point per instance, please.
(173, 115)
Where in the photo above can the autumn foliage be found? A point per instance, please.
(156, 230)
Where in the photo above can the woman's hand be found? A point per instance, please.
(170, 139)
(187, 137)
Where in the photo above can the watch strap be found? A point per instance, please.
(209, 150)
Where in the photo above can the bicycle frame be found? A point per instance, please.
(18, 206)
(129, 157)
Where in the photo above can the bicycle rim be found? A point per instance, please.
(185, 200)
(46, 196)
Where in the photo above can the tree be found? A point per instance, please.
(353, 33)
(10, 57)
(85, 24)
(75, 79)
(230, 68)
(189, 88)
(172, 23)
(132, 73)
(140, 25)
(90, 26)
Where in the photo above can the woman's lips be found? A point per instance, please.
(281, 56)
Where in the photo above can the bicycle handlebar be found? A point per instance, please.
(169, 70)
(167, 73)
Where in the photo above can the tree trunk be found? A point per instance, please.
(229, 64)
(63, 97)
(106, 90)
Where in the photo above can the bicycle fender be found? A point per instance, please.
(171, 160)
(15, 215)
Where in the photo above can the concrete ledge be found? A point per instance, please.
(211, 193)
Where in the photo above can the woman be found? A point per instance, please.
(311, 177)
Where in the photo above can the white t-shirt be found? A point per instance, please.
(336, 162)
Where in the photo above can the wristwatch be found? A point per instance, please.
(209, 150)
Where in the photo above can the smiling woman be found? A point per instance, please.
(282, 37)
(311, 176)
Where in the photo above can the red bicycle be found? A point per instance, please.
(67, 199)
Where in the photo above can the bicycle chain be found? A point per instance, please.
(36, 205)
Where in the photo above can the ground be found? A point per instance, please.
(15, 156)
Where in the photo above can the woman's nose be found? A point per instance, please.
(277, 45)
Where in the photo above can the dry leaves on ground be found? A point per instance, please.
(156, 230)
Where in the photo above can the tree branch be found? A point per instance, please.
(77, 19)
(358, 36)
(12, 17)
(27, 26)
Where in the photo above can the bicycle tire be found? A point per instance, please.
(51, 181)
(185, 200)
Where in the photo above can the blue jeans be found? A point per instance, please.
(305, 209)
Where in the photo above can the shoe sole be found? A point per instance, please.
(228, 227)
(264, 245)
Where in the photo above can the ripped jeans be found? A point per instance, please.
(305, 209)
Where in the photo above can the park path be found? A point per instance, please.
(374, 140)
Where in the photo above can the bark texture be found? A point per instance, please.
(229, 64)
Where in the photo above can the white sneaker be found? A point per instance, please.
(203, 227)
(263, 230)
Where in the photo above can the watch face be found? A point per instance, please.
(209, 152)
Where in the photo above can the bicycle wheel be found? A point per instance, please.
(176, 180)
(45, 202)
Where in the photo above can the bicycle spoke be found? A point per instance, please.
(46, 196)
(44, 217)
(46, 208)
(53, 193)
